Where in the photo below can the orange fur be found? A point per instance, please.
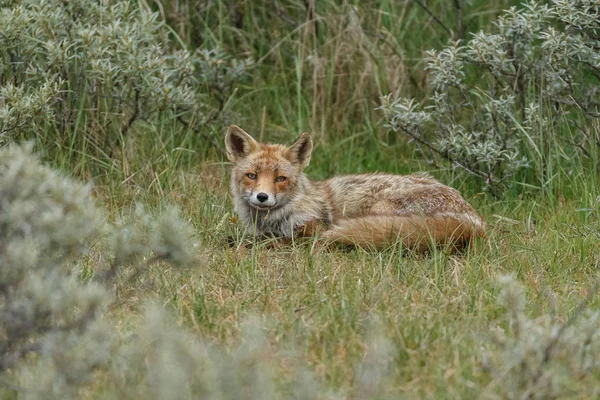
(415, 231)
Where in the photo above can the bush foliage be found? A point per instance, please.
(47, 307)
(539, 358)
(94, 68)
(499, 99)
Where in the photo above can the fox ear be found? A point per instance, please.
(299, 152)
(238, 143)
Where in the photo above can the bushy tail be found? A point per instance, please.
(416, 231)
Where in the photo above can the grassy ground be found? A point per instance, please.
(434, 313)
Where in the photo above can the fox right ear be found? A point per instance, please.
(299, 152)
(238, 143)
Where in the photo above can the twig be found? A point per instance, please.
(436, 19)
(458, 4)
(134, 116)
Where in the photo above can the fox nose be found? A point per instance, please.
(262, 197)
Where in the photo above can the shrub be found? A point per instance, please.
(45, 220)
(539, 358)
(97, 67)
(47, 226)
(498, 100)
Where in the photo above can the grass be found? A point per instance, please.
(435, 311)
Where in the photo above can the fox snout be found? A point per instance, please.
(262, 199)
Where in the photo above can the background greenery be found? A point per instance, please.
(134, 98)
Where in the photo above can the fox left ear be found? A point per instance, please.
(299, 153)
(239, 144)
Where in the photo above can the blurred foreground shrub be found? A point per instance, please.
(541, 358)
(47, 307)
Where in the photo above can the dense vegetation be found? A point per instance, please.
(127, 287)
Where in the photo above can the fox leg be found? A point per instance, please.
(312, 227)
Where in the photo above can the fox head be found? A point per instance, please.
(266, 176)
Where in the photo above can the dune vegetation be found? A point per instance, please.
(125, 274)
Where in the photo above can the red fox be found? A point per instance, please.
(273, 196)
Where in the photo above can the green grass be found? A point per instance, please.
(435, 310)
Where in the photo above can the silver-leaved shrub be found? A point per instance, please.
(542, 358)
(48, 309)
(97, 67)
(519, 97)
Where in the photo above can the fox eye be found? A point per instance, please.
(250, 175)
(280, 179)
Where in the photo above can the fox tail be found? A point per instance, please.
(416, 231)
